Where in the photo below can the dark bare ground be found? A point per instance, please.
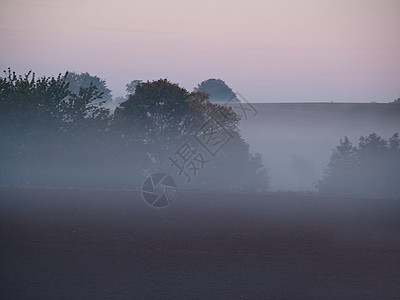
(78, 244)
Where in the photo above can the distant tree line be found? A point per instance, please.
(371, 168)
(56, 131)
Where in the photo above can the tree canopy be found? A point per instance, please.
(40, 120)
(371, 168)
(161, 116)
(131, 86)
(51, 135)
(218, 91)
(85, 80)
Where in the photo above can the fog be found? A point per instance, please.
(310, 131)
(77, 183)
(295, 142)
(55, 136)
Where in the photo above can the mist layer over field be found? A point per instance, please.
(296, 139)
(54, 135)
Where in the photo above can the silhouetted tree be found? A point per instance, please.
(160, 116)
(51, 135)
(131, 86)
(372, 168)
(341, 170)
(85, 80)
(39, 121)
(219, 92)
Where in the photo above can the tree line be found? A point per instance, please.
(372, 167)
(56, 131)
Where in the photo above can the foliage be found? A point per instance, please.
(50, 135)
(39, 121)
(371, 168)
(217, 89)
(397, 101)
(131, 86)
(160, 116)
(85, 80)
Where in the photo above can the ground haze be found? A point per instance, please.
(280, 131)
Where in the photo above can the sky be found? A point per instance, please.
(269, 51)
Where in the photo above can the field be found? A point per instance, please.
(98, 244)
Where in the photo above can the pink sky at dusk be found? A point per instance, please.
(269, 51)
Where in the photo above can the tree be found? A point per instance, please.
(371, 168)
(85, 80)
(393, 164)
(160, 116)
(39, 121)
(341, 170)
(397, 101)
(131, 86)
(394, 142)
(52, 136)
(219, 92)
(31, 110)
(372, 144)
